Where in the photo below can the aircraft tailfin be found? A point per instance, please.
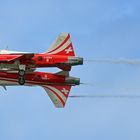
(62, 46)
(58, 94)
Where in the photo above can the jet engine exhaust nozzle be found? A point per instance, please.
(72, 80)
(75, 61)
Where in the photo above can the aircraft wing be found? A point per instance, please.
(28, 56)
(14, 57)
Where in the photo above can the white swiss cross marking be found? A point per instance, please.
(68, 50)
(65, 91)
(47, 60)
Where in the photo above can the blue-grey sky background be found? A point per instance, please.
(99, 29)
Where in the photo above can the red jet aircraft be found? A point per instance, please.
(56, 85)
(18, 68)
(61, 54)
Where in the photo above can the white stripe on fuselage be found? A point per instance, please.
(12, 52)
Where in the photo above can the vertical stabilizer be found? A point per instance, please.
(58, 94)
(62, 46)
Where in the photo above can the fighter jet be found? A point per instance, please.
(19, 68)
(61, 54)
(57, 85)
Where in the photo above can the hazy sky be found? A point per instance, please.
(99, 30)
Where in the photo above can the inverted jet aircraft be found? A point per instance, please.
(57, 85)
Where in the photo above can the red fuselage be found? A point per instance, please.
(41, 60)
(37, 78)
(44, 60)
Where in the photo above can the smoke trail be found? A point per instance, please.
(88, 84)
(116, 61)
(105, 86)
(107, 96)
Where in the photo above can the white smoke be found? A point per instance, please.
(116, 61)
(107, 96)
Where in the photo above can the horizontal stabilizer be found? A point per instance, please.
(63, 73)
(64, 67)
